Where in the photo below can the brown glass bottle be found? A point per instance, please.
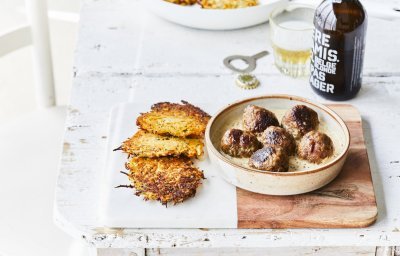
(338, 49)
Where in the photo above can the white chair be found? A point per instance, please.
(30, 150)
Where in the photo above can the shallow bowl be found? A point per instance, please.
(277, 183)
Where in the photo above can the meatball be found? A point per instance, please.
(270, 158)
(238, 143)
(315, 146)
(257, 119)
(275, 135)
(299, 120)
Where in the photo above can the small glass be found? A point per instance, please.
(291, 36)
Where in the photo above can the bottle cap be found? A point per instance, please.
(247, 81)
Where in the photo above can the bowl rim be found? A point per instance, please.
(235, 10)
(321, 107)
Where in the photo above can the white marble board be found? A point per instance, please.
(214, 205)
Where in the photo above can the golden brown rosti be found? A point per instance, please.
(182, 2)
(180, 120)
(145, 144)
(227, 4)
(165, 179)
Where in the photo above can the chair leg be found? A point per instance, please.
(42, 62)
(397, 251)
(385, 251)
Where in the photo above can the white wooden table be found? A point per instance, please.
(121, 47)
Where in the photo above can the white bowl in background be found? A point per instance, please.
(214, 19)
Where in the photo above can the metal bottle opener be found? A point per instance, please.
(251, 61)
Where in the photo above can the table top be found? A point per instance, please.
(122, 47)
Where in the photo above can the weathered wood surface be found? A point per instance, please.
(121, 47)
(347, 202)
(286, 251)
(296, 251)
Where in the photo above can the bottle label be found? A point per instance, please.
(336, 62)
(323, 62)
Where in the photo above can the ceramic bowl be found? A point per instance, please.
(214, 19)
(277, 183)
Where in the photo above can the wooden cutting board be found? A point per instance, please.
(347, 202)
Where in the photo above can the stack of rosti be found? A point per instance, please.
(160, 152)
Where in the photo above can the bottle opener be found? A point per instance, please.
(251, 61)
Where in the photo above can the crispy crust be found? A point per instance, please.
(227, 4)
(270, 158)
(145, 144)
(239, 143)
(165, 179)
(257, 119)
(275, 135)
(182, 2)
(315, 146)
(180, 120)
(299, 120)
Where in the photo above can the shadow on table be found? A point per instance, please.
(376, 176)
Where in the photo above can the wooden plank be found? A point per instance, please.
(195, 58)
(119, 252)
(347, 202)
(294, 251)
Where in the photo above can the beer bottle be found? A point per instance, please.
(338, 49)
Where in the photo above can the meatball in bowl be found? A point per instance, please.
(315, 147)
(299, 120)
(238, 143)
(256, 119)
(252, 150)
(278, 136)
(270, 158)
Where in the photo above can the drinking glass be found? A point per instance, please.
(291, 36)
